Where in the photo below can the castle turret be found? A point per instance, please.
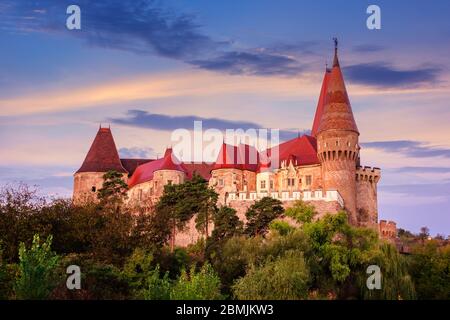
(101, 158)
(170, 171)
(337, 139)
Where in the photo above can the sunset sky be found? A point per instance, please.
(149, 67)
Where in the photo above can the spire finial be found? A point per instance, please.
(335, 61)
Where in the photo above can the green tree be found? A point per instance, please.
(260, 214)
(138, 268)
(114, 189)
(171, 213)
(37, 268)
(226, 224)
(396, 283)
(179, 203)
(430, 270)
(202, 285)
(301, 212)
(281, 227)
(157, 288)
(202, 200)
(6, 283)
(285, 278)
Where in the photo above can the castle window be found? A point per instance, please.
(308, 180)
(291, 182)
(169, 182)
(94, 189)
(221, 182)
(263, 184)
(140, 195)
(271, 184)
(337, 143)
(151, 191)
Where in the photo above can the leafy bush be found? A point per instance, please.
(285, 278)
(36, 276)
(430, 270)
(281, 227)
(138, 268)
(6, 278)
(157, 288)
(301, 212)
(202, 285)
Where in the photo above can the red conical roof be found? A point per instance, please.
(145, 172)
(102, 156)
(227, 157)
(243, 157)
(170, 162)
(320, 104)
(337, 112)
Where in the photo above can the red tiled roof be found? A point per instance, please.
(131, 164)
(302, 150)
(243, 157)
(144, 172)
(102, 156)
(203, 169)
(337, 112)
(320, 104)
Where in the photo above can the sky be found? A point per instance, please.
(148, 67)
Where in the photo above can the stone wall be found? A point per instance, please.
(388, 230)
(86, 185)
(322, 207)
(226, 180)
(338, 151)
(366, 196)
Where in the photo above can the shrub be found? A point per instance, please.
(285, 278)
(202, 285)
(157, 288)
(281, 227)
(36, 276)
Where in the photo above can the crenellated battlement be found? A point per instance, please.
(305, 195)
(370, 174)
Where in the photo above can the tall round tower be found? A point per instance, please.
(337, 140)
(101, 158)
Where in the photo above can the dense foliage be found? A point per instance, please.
(275, 255)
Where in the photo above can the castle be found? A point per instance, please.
(322, 168)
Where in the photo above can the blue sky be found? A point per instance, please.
(146, 67)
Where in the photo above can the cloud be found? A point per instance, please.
(423, 189)
(145, 27)
(144, 119)
(422, 170)
(137, 26)
(138, 153)
(367, 48)
(249, 63)
(48, 181)
(409, 148)
(383, 75)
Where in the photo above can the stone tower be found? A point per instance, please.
(101, 157)
(337, 139)
(170, 171)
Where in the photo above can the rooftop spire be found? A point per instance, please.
(320, 104)
(335, 60)
(336, 111)
(102, 155)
